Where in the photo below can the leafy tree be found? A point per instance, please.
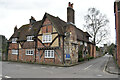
(96, 25)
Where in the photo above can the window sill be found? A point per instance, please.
(14, 42)
(30, 40)
(29, 54)
(47, 42)
(14, 53)
(49, 57)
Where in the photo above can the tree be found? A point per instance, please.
(96, 25)
(111, 48)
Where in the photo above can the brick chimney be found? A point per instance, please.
(32, 20)
(15, 28)
(70, 13)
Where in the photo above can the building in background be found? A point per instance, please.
(50, 41)
(3, 47)
(117, 27)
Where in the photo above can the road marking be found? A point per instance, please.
(87, 67)
(0, 78)
(43, 67)
(60, 67)
(105, 67)
(99, 75)
(7, 77)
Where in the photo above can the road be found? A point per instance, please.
(89, 69)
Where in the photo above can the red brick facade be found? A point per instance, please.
(117, 22)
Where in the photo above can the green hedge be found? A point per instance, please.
(81, 59)
(0, 58)
(90, 57)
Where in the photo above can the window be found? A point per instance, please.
(15, 52)
(14, 40)
(49, 53)
(47, 38)
(81, 43)
(30, 38)
(85, 44)
(29, 52)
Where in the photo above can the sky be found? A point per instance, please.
(18, 12)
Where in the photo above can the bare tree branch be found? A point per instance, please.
(96, 25)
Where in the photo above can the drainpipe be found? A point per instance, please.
(63, 52)
(35, 48)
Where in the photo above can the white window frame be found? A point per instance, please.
(47, 38)
(85, 44)
(14, 40)
(30, 38)
(49, 53)
(15, 52)
(29, 52)
(81, 43)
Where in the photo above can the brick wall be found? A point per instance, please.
(117, 21)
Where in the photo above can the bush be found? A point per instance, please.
(80, 59)
(90, 57)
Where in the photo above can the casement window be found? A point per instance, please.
(85, 44)
(15, 52)
(81, 43)
(47, 38)
(49, 53)
(14, 40)
(30, 38)
(29, 52)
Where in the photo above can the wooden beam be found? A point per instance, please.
(53, 41)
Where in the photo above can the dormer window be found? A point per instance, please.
(14, 40)
(30, 38)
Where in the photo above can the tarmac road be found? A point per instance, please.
(89, 69)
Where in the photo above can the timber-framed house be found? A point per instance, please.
(50, 41)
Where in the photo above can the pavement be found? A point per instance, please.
(111, 66)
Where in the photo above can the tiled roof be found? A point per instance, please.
(82, 36)
(58, 23)
(26, 30)
(33, 29)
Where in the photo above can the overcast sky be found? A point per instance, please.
(18, 12)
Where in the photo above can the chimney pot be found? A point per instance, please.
(72, 5)
(15, 28)
(32, 20)
(69, 4)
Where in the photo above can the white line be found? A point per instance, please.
(87, 67)
(43, 67)
(60, 67)
(7, 77)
